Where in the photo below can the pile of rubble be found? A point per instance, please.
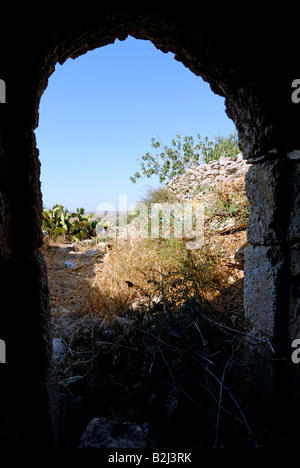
(197, 177)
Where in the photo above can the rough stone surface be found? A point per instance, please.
(251, 71)
(263, 182)
(59, 351)
(91, 253)
(199, 176)
(264, 266)
(69, 265)
(294, 294)
(262, 273)
(293, 191)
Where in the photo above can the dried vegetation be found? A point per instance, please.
(155, 333)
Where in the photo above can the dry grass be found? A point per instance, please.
(145, 325)
(142, 274)
(140, 271)
(144, 271)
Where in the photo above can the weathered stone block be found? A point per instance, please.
(263, 184)
(294, 293)
(263, 308)
(294, 202)
(263, 266)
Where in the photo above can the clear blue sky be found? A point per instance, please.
(99, 112)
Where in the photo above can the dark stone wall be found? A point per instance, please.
(248, 66)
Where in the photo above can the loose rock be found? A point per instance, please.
(104, 433)
(69, 265)
(201, 175)
(91, 253)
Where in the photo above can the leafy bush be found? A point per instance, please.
(175, 159)
(57, 221)
(83, 226)
(221, 146)
(158, 195)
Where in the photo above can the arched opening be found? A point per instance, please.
(268, 138)
(96, 108)
(95, 323)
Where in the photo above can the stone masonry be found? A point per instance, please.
(223, 171)
(252, 67)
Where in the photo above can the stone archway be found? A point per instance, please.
(254, 76)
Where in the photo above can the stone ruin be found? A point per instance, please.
(223, 171)
(251, 68)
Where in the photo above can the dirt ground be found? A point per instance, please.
(70, 288)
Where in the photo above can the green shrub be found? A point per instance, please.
(176, 159)
(158, 195)
(83, 226)
(57, 221)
